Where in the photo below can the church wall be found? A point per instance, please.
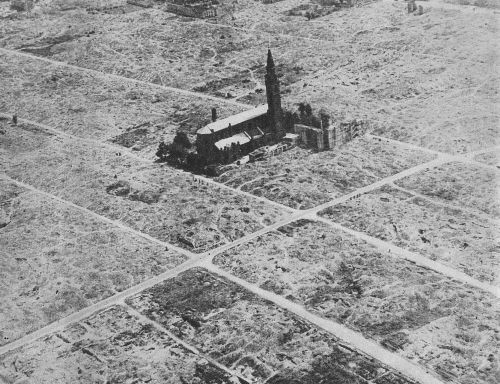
(205, 143)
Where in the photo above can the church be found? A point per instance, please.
(225, 140)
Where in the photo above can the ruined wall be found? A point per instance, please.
(345, 131)
(332, 136)
(310, 136)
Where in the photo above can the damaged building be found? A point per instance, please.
(250, 132)
(331, 136)
(238, 135)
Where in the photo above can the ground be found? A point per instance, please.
(139, 352)
(353, 283)
(463, 240)
(301, 179)
(140, 194)
(375, 262)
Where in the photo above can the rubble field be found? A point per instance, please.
(435, 123)
(302, 179)
(87, 105)
(386, 298)
(384, 25)
(112, 346)
(490, 158)
(152, 47)
(365, 55)
(152, 198)
(450, 236)
(418, 78)
(461, 184)
(55, 260)
(210, 313)
(100, 76)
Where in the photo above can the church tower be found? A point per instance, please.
(274, 112)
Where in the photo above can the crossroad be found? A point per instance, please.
(205, 259)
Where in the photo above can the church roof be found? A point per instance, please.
(240, 138)
(233, 120)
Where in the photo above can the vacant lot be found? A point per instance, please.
(151, 46)
(109, 347)
(450, 236)
(490, 158)
(475, 3)
(450, 124)
(464, 185)
(55, 260)
(442, 32)
(248, 334)
(417, 76)
(387, 299)
(364, 56)
(97, 107)
(302, 179)
(429, 80)
(149, 197)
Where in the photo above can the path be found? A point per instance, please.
(337, 44)
(204, 260)
(342, 332)
(99, 306)
(115, 223)
(164, 330)
(441, 159)
(465, 158)
(470, 211)
(378, 184)
(415, 258)
(125, 151)
(110, 76)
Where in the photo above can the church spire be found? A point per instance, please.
(270, 61)
(274, 111)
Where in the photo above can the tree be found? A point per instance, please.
(179, 149)
(162, 152)
(314, 121)
(302, 109)
(176, 152)
(195, 163)
(182, 139)
(308, 110)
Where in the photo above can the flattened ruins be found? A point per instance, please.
(243, 192)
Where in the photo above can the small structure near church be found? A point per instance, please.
(267, 151)
(292, 139)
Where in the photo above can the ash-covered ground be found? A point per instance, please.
(376, 262)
